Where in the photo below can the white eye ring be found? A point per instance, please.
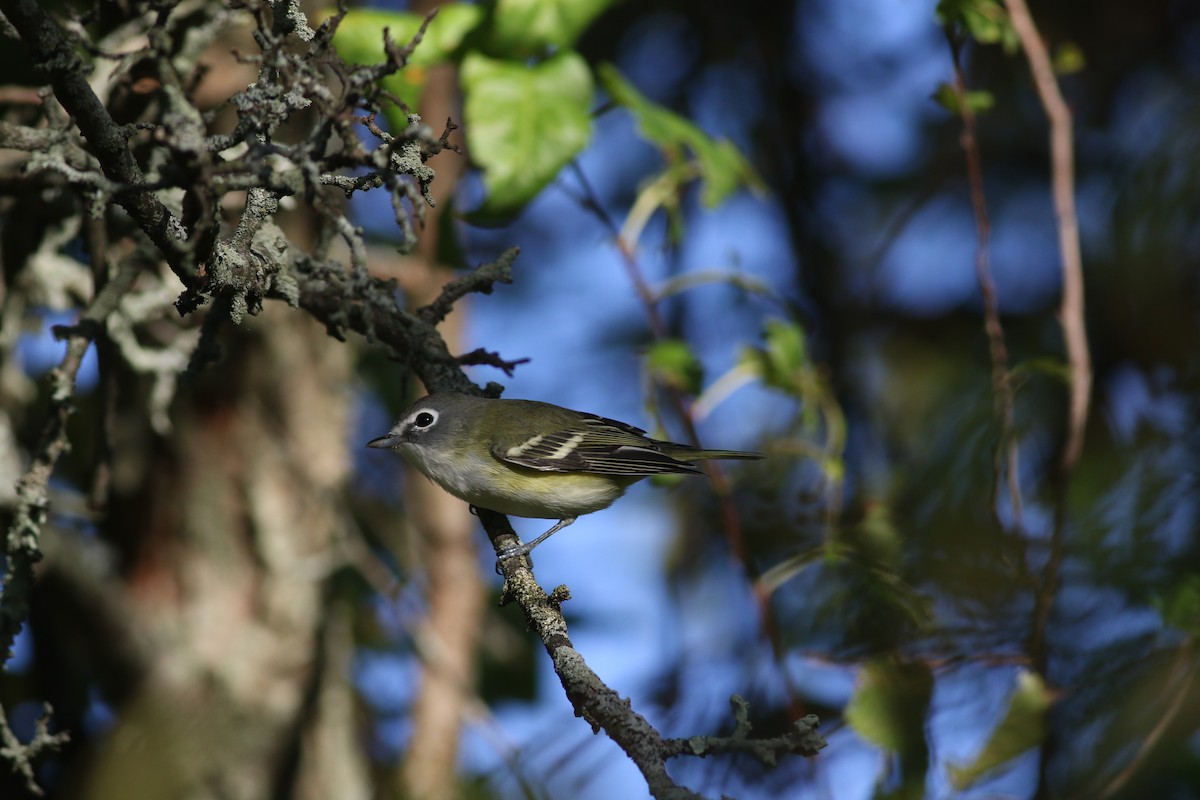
(424, 419)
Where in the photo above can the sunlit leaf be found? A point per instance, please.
(673, 363)
(523, 123)
(359, 40)
(527, 26)
(722, 167)
(1023, 727)
(976, 101)
(782, 358)
(986, 21)
(888, 710)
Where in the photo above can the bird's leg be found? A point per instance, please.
(524, 549)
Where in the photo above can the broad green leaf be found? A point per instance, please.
(781, 362)
(889, 705)
(1023, 727)
(523, 123)
(786, 346)
(722, 167)
(359, 40)
(888, 710)
(673, 363)
(528, 26)
(987, 21)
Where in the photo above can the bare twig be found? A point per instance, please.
(1071, 317)
(1062, 165)
(482, 279)
(1071, 309)
(1007, 454)
(731, 523)
(490, 358)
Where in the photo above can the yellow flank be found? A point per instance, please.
(544, 495)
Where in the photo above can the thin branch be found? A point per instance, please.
(21, 756)
(1007, 448)
(1062, 164)
(480, 357)
(22, 546)
(604, 708)
(1071, 318)
(802, 740)
(731, 523)
(1071, 309)
(482, 280)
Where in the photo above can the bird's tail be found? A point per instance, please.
(687, 454)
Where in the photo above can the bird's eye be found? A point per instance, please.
(424, 419)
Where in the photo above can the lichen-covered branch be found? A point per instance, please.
(603, 708)
(21, 756)
(54, 55)
(231, 269)
(22, 542)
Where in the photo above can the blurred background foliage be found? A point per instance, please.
(751, 223)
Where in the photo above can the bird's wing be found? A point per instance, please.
(597, 445)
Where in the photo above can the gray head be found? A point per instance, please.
(431, 419)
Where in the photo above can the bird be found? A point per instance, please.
(527, 458)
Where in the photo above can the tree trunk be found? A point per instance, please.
(230, 531)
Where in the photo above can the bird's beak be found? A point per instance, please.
(390, 440)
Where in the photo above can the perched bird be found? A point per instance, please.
(532, 459)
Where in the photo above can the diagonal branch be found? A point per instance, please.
(604, 708)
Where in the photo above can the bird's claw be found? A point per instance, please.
(516, 551)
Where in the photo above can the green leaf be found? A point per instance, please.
(359, 40)
(523, 123)
(783, 358)
(1069, 59)
(722, 167)
(672, 363)
(888, 710)
(1051, 367)
(976, 101)
(1023, 727)
(1180, 608)
(987, 21)
(522, 27)
(889, 705)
